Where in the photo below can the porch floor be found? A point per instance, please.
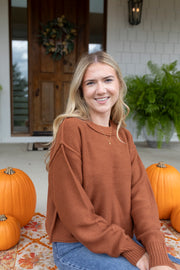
(32, 163)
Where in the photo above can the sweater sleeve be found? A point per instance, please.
(145, 213)
(77, 212)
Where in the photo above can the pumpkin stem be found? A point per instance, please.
(9, 171)
(161, 164)
(3, 218)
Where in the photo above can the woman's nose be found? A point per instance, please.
(100, 88)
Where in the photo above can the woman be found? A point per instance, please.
(99, 194)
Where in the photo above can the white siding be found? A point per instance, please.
(5, 114)
(156, 38)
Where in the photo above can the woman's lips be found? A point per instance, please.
(102, 100)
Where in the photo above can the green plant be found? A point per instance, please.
(154, 100)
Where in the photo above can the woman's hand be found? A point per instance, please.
(143, 263)
(177, 266)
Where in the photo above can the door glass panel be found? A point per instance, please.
(96, 25)
(19, 49)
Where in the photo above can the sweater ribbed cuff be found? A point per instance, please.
(158, 255)
(134, 254)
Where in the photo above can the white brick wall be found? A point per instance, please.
(157, 38)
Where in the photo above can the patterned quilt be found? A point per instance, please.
(35, 252)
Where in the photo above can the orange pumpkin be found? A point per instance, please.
(9, 232)
(175, 218)
(17, 195)
(165, 182)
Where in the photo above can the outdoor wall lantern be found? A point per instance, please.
(135, 11)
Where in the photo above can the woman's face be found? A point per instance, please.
(100, 90)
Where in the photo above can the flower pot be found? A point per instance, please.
(153, 142)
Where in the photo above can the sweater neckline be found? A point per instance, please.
(111, 130)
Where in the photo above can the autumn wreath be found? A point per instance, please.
(57, 36)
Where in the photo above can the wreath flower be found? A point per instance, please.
(57, 37)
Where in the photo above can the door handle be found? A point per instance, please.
(37, 92)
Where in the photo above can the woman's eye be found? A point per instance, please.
(90, 83)
(108, 80)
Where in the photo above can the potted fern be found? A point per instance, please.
(154, 101)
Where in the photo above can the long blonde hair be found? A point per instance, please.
(76, 105)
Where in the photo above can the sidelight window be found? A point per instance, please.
(19, 66)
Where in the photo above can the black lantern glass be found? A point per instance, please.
(135, 11)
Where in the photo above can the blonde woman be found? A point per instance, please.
(99, 194)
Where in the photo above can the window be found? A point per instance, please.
(97, 25)
(19, 52)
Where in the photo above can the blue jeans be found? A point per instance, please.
(75, 256)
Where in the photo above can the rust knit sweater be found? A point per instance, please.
(99, 194)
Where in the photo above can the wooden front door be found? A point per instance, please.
(49, 79)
